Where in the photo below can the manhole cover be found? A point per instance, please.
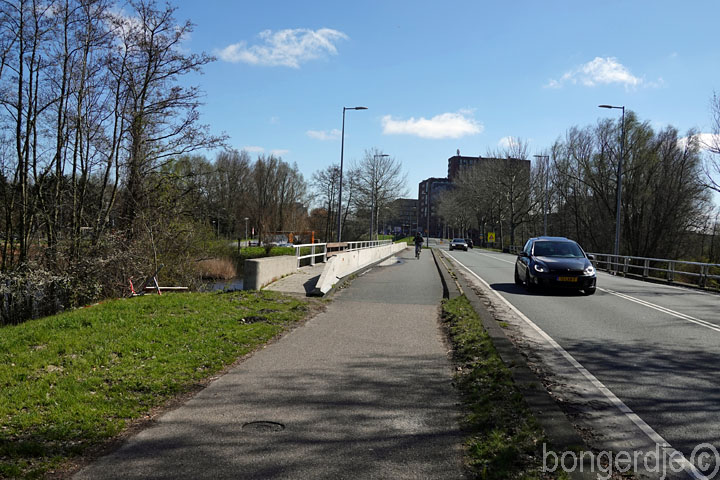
(263, 426)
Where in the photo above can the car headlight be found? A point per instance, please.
(539, 267)
(589, 270)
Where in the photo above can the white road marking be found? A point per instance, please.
(702, 323)
(632, 416)
(495, 257)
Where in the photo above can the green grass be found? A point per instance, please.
(73, 380)
(503, 439)
(409, 240)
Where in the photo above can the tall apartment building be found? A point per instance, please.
(428, 198)
(430, 189)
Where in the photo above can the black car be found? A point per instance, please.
(555, 262)
(458, 244)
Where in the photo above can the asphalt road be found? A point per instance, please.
(655, 347)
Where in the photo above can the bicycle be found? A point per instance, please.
(417, 251)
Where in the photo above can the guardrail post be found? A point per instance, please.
(312, 252)
(626, 262)
(703, 275)
(671, 271)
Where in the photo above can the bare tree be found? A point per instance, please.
(663, 189)
(510, 184)
(277, 188)
(712, 144)
(325, 186)
(229, 188)
(26, 29)
(161, 115)
(497, 190)
(454, 212)
(381, 181)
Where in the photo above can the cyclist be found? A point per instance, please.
(418, 244)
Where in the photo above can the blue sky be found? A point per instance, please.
(441, 76)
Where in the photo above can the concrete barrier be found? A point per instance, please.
(346, 263)
(262, 271)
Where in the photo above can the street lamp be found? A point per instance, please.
(547, 176)
(372, 193)
(342, 150)
(619, 182)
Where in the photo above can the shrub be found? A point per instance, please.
(32, 293)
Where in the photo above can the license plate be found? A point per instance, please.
(567, 279)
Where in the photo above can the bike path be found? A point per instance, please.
(362, 391)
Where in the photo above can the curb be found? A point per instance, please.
(559, 431)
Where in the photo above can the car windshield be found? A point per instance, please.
(557, 249)
(458, 240)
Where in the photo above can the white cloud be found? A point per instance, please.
(446, 125)
(287, 48)
(599, 71)
(253, 149)
(705, 141)
(333, 134)
(507, 142)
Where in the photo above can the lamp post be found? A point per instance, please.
(547, 177)
(372, 193)
(342, 151)
(616, 252)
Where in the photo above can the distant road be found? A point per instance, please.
(656, 347)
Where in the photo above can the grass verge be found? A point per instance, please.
(72, 381)
(503, 439)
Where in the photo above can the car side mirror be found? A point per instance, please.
(591, 258)
(523, 254)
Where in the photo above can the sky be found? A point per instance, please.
(442, 76)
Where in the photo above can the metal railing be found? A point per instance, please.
(514, 249)
(367, 244)
(321, 249)
(705, 275)
(313, 252)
